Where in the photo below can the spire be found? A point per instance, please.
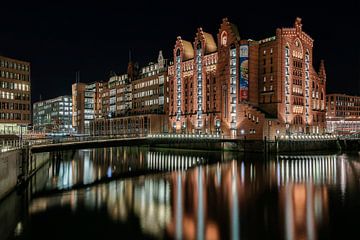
(160, 60)
(322, 72)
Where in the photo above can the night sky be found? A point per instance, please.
(95, 38)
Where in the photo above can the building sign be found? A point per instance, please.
(244, 72)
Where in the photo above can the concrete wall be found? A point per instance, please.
(9, 170)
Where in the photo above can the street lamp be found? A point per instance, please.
(269, 126)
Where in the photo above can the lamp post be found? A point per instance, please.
(269, 126)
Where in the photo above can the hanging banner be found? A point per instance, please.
(244, 72)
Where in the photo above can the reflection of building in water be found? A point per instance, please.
(87, 166)
(225, 200)
(305, 209)
(303, 192)
(170, 161)
(299, 169)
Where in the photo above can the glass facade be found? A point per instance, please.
(53, 115)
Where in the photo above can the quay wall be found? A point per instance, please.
(17, 166)
(9, 170)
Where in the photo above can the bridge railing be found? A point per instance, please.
(9, 145)
(185, 136)
(44, 141)
(306, 137)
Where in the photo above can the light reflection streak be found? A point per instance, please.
(159, 201)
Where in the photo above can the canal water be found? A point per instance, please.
(141, 193)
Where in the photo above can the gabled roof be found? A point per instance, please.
(188, 52)
(235, 30)
(210, 45)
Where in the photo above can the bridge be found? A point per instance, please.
(195, 141)
(43, 145)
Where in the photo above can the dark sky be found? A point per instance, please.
(94, 38)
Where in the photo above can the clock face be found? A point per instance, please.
(223, 38)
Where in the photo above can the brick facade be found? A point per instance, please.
(247, 88)
(134, 102)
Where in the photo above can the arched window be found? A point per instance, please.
(223, 38)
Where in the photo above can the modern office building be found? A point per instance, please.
(53, 115)
(342, 113)
(15, 95)
(246, 88)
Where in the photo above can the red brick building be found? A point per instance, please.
(135, 102)
(289, 87)
(246, 88)
(193, 89)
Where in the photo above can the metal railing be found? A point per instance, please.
(74, 139)
(307, 137)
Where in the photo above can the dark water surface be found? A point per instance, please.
(137, 193)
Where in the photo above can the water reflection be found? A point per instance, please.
(83, 167)
(287, 197)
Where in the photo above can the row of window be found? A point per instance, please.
(53, 109)
(14, 65)
(14, 116)
(271, 78)
(297, 81)
(14, 86)
(268, 89)
(339, 114)
(14, 106)
(14, 96)
(148, 83)
(345, 99)
(349, 104)
(16, 76)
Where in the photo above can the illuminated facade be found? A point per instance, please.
(85, 105)
(193, 92)
(15, 96)
(342, 113)
(135, 102)
(245, 88)
(289, 87)
(53, 115)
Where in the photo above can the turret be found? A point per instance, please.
(322, 72)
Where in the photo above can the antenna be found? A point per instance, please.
(77, 76)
